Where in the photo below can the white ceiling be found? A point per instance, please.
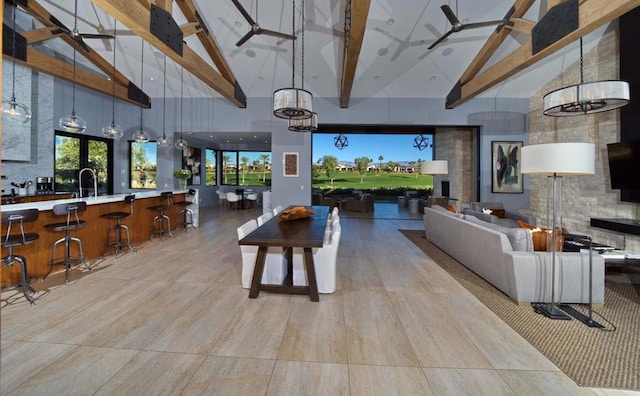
(394, 60)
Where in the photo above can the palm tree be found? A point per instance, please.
(225, 160)
(265, 161)
(244, 166)
(380, 158)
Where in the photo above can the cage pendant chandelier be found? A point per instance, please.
(293, 103)
(308, 124)
(586, 98)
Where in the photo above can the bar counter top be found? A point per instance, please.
(101, 199)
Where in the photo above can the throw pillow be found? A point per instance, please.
(451, 208)
(542, 237)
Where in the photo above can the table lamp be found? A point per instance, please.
(556, 160)
(435, 167)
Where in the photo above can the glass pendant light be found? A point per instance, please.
(12, 110)
(72, 122)
(164, 141)
(293, 103)
(141, 136)
(181, 144)
(113, 130)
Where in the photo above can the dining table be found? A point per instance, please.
(306, 233)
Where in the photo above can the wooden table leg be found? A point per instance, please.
(258, 269)
(311, 275)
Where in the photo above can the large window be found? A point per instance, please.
(75, 152)
(143, 158)
(246, 168)
(210, 167)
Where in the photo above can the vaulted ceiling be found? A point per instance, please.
(387, 53)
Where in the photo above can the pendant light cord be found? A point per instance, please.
(293, 44)
(581, 64)
(141, 76)
(164, 94)
(73, 91)
(113, 75)
(302, 60)
(181, 99)
(13, 55)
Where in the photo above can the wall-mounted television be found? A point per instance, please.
(624, 164)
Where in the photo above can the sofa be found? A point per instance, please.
(505, 258)
(510, 218)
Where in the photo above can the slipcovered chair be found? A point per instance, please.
(252, 200)
(364, 204)
(275, 266)
(264, 218)
(277, 210)
(222, 198)
(324, 261)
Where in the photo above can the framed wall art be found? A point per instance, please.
(191, 159)
(290, 164)
(506, 176)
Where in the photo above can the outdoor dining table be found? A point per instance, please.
(304, 233)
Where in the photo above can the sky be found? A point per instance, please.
(395, 147)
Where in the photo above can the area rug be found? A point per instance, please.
(602, 358)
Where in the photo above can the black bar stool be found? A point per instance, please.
(118, 227)
(161, 217)
(185, 216)
(73, 222)
(17, 218)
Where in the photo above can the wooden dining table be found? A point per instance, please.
(305, 233)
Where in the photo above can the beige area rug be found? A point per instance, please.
(608, 358)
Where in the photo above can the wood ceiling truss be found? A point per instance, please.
(136, 16)
(591, 15)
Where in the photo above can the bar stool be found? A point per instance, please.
(185, 216)
(118, 227)
(160, 217)
(73, 222)
(18, 218)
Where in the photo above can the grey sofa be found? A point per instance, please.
(523, 275)
(508, 214)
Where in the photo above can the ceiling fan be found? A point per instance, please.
(255, 28)
(78, 37)
(457, 26)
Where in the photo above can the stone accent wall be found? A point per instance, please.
(455, 145)
(584, 197)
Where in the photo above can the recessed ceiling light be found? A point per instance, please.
(152, 79)
(376, 77)
(227, 141)
(250, 53)
(260, 78)
(240, 138)
(238, 23)
(390, 21)
(210, 136)
(314, 77)
(255, 137)
(190, 133)
(309, 22)
(108, 78)
(432, 78)
(266, 141)
(383, 51)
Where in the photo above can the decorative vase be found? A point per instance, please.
(183, 184)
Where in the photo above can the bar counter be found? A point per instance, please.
(93, 235)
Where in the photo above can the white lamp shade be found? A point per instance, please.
(437, 167)
(559, 158)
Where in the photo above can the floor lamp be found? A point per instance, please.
(435, 167)
(556, 160)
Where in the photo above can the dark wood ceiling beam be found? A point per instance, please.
(359, 13)
(493, 42)
(43, 16)
(591, 15)
(137, 18)
(41, 62)
(208, 41)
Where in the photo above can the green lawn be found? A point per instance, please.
(374, 181)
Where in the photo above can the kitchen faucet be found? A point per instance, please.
(95, 181)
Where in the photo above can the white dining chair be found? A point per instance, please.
(324, 261)
(233, 199)
(275, 266)
(264, 218)
(277, 210)
(222, 198)
(252, 200)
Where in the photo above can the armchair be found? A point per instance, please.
(364, 204)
